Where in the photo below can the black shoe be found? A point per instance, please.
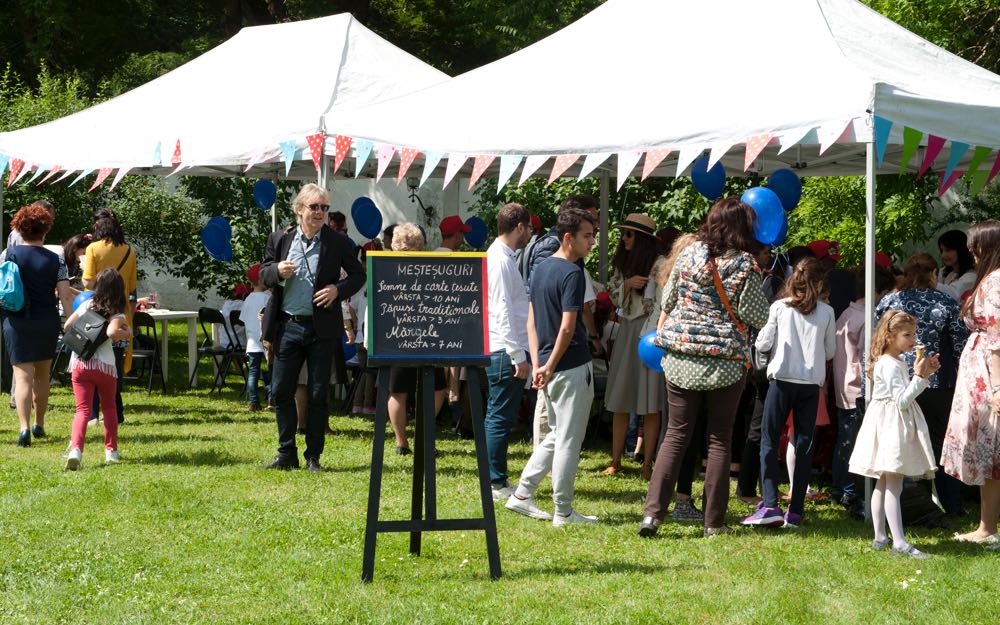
(24, 440)
(282, 464)
(38, 431)
(312, 465)
(403, 451)
(648, 527)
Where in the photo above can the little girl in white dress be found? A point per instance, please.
(893, 441)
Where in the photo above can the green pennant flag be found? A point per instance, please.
(977, 159)
(978, 181)
(911, 141)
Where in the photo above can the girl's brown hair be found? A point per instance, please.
(918, 272)
(984, 243)
(892, 323)
(806, 286)
(109, 294)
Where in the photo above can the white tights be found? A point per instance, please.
(886, 508)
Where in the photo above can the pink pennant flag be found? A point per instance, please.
(455, 162)
(479, 166)
(343, 147)
(755, 145)
(16, 165)
(934, 145)
(946, 184)
(176, 158)
(563, 162)
(118, 177)
(52, 172)
(831, 133)
(531, 165)
(27, 169)
(626, 163)
(406, 158)
(102, 174)
(653, 160)
(994, 171)
(385, 153)
(316, 142)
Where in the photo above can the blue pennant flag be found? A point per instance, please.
(288, 152)
(431, 160)
(958, 150)
(882, 128)
(83, 174)
(157, 159)
(4, 159)
(363, 149)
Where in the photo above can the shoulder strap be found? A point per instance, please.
(725, 302)
(128, 252)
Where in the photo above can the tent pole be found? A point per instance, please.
(869, 284)
(603, 256)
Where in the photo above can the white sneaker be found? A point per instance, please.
(501, 493)
(527, 507)
(74, 459)
(112, 455)
(573, 517)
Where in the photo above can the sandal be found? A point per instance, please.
(612, 470)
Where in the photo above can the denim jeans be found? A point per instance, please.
(254, 375)
(501, 412)
(847, 432)
(802, 400)
(298, 343)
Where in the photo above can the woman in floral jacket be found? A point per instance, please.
(972, 443)
(707, 354)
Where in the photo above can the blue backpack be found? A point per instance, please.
(11, 287)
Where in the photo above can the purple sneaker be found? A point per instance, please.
(792, 520)
(765, 516)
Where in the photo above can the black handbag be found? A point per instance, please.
(87, 333)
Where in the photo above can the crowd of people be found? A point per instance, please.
(755, 349)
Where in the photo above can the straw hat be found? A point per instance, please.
(639, 222)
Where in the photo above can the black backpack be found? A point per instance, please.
(87, 333)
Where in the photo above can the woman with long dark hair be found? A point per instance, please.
(712, 294)
(632, 387)
(75, 252)
(972, 442)
(959, 273)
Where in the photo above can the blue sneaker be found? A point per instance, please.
(792, 520)
(765, 516)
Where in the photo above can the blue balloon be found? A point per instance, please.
(350, 349)
(367, 218)
(787, 186)
(81, 298)
(650, 354)
(217, 242)
(477, 236)
(783, 232)
(770, 213)
(265, 193)
(223, 223)
(709, 182)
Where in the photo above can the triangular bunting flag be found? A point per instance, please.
(794, 137)
(995, 170)
(316, 142)
(830, 134)
(653, 159)
(479, 166)
(288, 154)
(256, 157)
(176, 158)
(406, 158)
(83, 174)
(947, 182)
(41, 169)
(718, 151)
(755, 145)
(882, 128)
(343, 146)
(16, 165)
(118, 177)
(626, 163)
(958, 150)
(978, 157)
(592, 162)
(934, 145)
(686, 156)
(531, 165)
(563, 162)
(66, 174)
(911, 141)
(508, 165)
(4, 159)
(455, 162)
(384, 152)
(362, 150)
(157, 159)
(102, 175)
(980, 177)
(52, 172)
(28, 168)
(431, 160)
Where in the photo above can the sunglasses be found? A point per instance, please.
(318, 207)
(627, 234)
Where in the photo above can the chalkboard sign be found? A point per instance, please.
(427, 309)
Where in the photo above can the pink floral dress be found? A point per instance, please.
(971, 450)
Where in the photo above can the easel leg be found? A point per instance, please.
(417, 503)
(430, 432)
(375, 483)
(485, 493)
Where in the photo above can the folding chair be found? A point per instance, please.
(146, 349)
(221, 356)
(239, 355)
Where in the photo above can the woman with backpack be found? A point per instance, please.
(31, 332)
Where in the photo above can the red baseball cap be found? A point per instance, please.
(451, 225)
(883, 260)
(822, 248)
(253, 273)
(536, 222)
(240, 291)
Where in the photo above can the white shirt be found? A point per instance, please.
(508, 303)
(359, 304)
(955, 285)
(799, 344)
(229, 306)
(255, 302)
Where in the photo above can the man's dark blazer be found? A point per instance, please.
(336, 252)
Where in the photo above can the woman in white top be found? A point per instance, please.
(959, 273)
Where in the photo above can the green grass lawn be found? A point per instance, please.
(187, 530)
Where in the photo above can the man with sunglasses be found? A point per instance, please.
(303, 319)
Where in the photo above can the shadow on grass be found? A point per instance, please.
(591, 567)
(208, 458)
(134, 438)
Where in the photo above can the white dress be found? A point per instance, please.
(893, 437)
